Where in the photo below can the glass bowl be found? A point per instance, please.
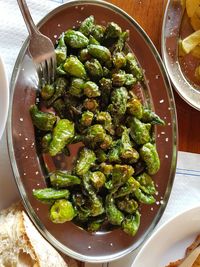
(28, 166)
(181, 69)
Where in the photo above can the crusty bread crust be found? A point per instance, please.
(189, 249)
(21, 244)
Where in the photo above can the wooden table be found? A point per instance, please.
(149, 14)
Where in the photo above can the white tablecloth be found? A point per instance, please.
(185, 192)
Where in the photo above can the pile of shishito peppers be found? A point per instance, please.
(94, 103)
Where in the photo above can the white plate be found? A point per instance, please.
(4, 97)
(169, 242)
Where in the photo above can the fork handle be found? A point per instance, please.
(27, 17)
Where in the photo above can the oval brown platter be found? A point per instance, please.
(27, 164)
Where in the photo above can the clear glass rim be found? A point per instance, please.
(185, 90)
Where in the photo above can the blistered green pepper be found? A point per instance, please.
(140, 132)
(114, 215)
(120, 175)
(127, 205)
(133, 67)
(94, 69)
(83, 214)
(146, 183)
(105, 119)
(106, 169)
(118, 79)
(60, 70)
(86, 118)
(106, 72)
(107, 142)
(129, 187)
(91, 104)
(63, 134)
(113, 30)
(98, 32)
(120, 43)
(47, 91)
(82, 211)
(60, 179)
(101, 155)
(114, 152)
(50, 194)
(151, 117)
(87, 25)
(46, 140)
(121, 78)
(95, 134)
(76, 87)
(62, 211)
(60, 86)
(76, 39)
(119, 99)
(96, 205)
(85, 160)
(98, 179)
(61, 50)
(127, 151)
(135, 107)
(84, 55)
(42, 120)
(106, 88)
(91, 89)
(130, 80)
(144, 198)
(92, 40)
(100, 52)
(95, 225)
(131, 223)
(119, 60)
(149, 154)
(74, 67)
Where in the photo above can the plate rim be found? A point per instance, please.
(162, 227)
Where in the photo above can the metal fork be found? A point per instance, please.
(40, 47)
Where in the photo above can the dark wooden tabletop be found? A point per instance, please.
(149, 14)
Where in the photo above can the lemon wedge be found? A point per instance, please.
(191, 41)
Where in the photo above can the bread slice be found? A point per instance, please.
(21, 245)
(189, 249)
(197, 262)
